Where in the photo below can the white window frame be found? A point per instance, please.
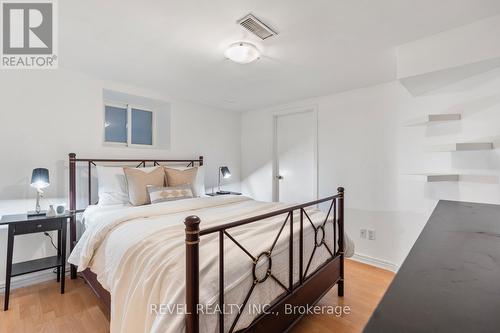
(129, 108)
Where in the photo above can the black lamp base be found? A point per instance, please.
(34, 213)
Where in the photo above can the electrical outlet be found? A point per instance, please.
(362, 233)
(371, 234)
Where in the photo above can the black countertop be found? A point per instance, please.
(450, 281)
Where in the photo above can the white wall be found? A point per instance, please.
(468, 44)
(364, 147)
(436, 61)
(47, 114)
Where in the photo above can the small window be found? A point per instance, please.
(142, 127)
(115, 124)
(117, 130)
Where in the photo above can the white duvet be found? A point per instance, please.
(138, 254)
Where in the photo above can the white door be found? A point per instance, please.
(296, 157)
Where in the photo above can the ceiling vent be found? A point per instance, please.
(257, 27)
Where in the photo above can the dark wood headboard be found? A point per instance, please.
(92, 162)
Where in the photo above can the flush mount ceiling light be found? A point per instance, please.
(242, 52)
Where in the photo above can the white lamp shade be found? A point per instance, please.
(242, 52)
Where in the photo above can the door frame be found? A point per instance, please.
(290, 111)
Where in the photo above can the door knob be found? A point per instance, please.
(280, 177)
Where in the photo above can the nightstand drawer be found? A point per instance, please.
(36, 226)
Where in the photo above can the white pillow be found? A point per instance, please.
(199, 182)
(112, 185)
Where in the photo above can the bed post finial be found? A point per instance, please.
(341, 239)
(340, 190)
(192, 273)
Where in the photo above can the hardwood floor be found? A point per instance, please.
(364, 287)
(40, 308)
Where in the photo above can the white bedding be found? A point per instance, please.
(92, 212)
(138, 254)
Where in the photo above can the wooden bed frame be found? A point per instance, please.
(310, 288)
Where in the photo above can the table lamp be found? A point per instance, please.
(39, 180)
(225, 173)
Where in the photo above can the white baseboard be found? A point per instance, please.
(30, 279)
(375, 262)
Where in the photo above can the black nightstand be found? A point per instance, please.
(22, 225)
(225, 193)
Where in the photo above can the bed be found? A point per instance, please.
(207, 264)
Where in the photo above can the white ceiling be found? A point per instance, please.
(177, 46)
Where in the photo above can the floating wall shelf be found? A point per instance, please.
(438, 177)
(454, 177)
(463, 146)
(434, 119)
(442, 178)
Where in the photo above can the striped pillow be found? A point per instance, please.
(162, 194)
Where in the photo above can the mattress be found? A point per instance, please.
(138, 255)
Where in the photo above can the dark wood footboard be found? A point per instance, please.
(307, 291)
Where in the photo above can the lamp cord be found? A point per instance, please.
(51, 240)
(55, 247)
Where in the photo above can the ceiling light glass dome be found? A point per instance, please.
(242, 52)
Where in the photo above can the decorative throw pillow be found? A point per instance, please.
(176, 177)
(198, 186)
(138, 180)
(162, 194)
